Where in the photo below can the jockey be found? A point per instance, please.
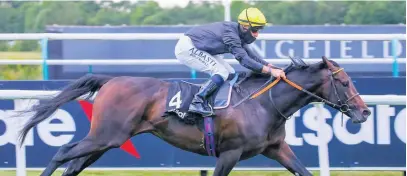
(202, 48)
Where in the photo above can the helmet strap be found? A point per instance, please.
(250, 24)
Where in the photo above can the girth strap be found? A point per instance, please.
(209, 136)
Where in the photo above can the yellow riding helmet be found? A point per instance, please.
(252, 15)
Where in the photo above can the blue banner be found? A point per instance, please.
(274, 49)
(379, 142)
(164, 49)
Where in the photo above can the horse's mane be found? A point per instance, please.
(255, 76)
(334, 63)
(246, 76)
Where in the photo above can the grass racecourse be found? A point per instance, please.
(196, 173)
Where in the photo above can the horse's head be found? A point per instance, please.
(337, 87)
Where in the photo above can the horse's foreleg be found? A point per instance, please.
(285, 156)
(226, 161)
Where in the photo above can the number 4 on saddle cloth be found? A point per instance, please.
(180, 95)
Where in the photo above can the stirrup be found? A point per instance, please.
(201, 112)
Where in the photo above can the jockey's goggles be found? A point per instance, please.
(256, 28)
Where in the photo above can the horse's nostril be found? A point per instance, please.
(366, 113)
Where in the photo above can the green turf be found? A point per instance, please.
(196, 173)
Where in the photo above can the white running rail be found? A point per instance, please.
(322, 148)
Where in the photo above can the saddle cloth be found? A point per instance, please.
(181, 93)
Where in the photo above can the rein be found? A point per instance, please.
(343, 107)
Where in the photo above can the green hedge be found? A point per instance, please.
(20, 72)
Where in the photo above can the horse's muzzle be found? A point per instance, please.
(362, 117)
(366, 113)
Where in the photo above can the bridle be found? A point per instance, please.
(342, 106)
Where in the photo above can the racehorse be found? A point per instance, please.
(126, 106)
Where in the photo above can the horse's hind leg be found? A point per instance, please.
(79, 164)
(85, 147)
(104, 135)
(118, 114)
(285, 156)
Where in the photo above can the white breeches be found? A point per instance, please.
(200, 60)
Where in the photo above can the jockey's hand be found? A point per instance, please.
(278, 73)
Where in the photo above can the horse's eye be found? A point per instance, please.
(346, 84)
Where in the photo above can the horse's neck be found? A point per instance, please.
(286, 98)
(291, 99)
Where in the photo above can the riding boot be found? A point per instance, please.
(200, 103)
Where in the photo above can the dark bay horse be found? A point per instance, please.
(127, 106)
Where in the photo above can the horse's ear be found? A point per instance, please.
(326, 63)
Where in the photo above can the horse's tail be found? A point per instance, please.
(86, 84)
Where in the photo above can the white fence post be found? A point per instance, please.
(323, 152)
(20, 160)
(20, 105)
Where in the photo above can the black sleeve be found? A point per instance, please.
(254, 55)
(232, 41)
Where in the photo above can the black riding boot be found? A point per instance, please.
(200, 104)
